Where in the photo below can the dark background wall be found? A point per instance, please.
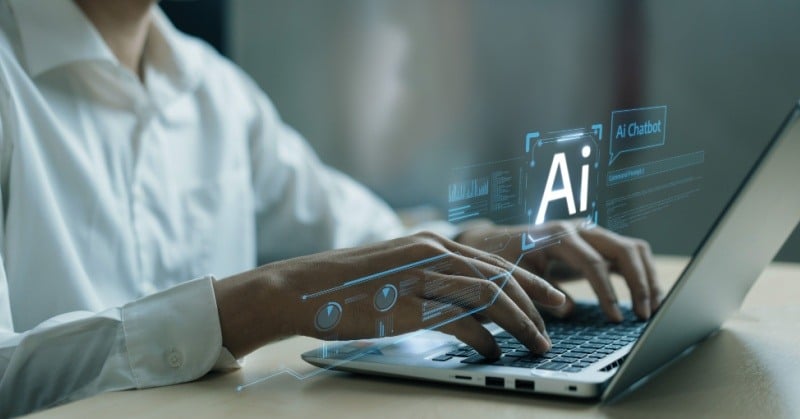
(207, 19)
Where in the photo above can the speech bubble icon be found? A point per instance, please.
(636, 129)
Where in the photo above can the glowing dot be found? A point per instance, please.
(586, 151)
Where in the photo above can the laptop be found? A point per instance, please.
(590, 357)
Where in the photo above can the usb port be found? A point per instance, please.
(495, 382)
(524, 385)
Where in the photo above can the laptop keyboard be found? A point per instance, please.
(580, 341)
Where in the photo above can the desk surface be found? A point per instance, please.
(751, 368)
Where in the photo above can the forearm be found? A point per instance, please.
(252, 310)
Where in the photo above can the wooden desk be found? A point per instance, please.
(751, 368)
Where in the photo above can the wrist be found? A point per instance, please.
(249, 307)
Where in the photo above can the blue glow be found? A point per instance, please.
(373, 276)
(636, 129)
(598, 129)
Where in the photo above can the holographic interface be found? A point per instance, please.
(613, 175)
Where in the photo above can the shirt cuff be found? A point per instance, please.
(174, 336)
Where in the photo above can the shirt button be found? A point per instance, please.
(174, 358)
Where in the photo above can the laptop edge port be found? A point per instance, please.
(524, 385)
(495, 382)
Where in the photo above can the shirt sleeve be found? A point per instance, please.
(302, 205)
(167, 338)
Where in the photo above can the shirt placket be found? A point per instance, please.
(145, 111)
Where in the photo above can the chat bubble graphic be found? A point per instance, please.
(636, 129)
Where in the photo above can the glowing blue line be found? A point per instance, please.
(551, 237)
(374, 276)
(640, 109)
(528, 139)
(472, 214)
(460, 208)
(569, 137)
(567, 130)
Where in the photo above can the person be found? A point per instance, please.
(137, 166)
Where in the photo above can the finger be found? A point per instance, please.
(488, 298)
(470, 331)
(521, 297)
(536, 288)
(507, 283)
(576, 252)
(656, 293)
(564, 310)
(627, 259)
(535, 262)
(470, 294)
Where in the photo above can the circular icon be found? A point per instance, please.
(586, 151)
(328, 316)
(385, 297)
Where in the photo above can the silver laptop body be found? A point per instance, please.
(744, 239)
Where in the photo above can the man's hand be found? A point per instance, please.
(591, 252)
(429, 282)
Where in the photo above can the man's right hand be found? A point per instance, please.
(388, 288)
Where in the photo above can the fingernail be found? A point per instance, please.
(542, 343)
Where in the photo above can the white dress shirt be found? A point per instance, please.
(117, 193)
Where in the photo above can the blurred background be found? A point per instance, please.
(399, 93)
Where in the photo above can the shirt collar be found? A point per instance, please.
(55, 33)
(172, 54)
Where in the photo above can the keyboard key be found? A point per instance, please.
(572, 369)
(591, 346)
(526, 364)
(442, 358)
(553, 366)
(505, 361)
(476, 359)
(570, 358)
